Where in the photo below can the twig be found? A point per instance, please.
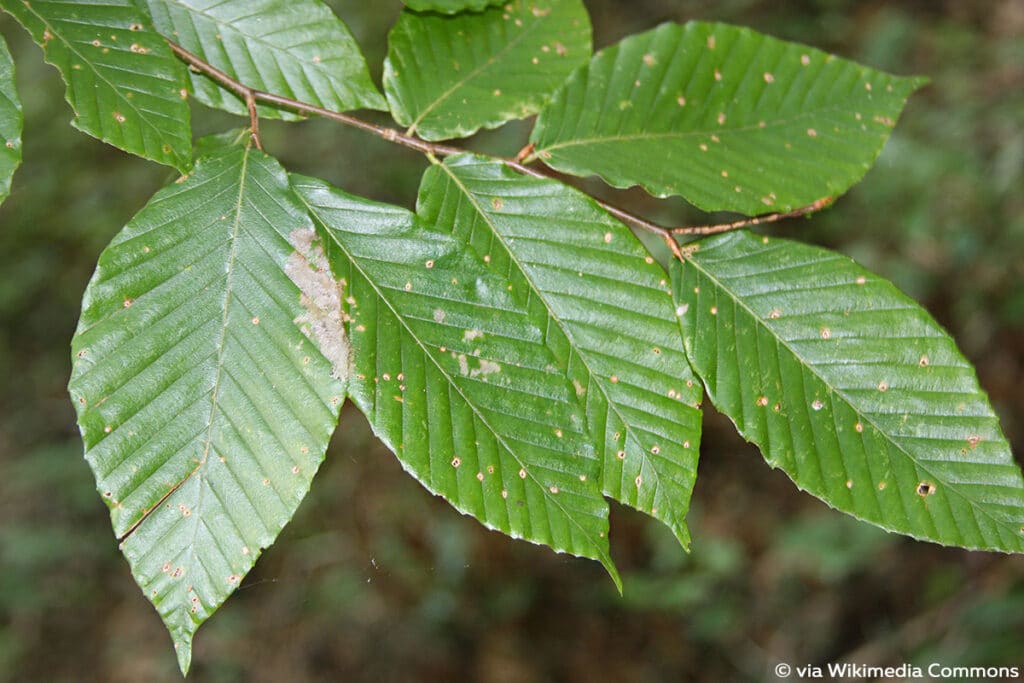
(756, 220)
(252, 96)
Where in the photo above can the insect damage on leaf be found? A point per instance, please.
(323, 320)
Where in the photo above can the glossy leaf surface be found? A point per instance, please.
(449, 6)
(724, 116)
(10, 122)
(607, 309)
(295, 48)
(449, 76)
(123, 83)
(205, 410)
(851, 388)
(455, 376)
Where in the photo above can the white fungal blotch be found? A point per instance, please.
(721, 118)
(774, 314)
(558, 433)
(487, 367)
(439, 315)
(553, 489)
(649, 60)
(583, 477)
(718, 75)
(861, 280)
(681, 310)
(321, 298)
(973, 440)
(768, 77)
(470, 335)
(881, 485)
(714, 310)
(255, 320)
(607, 238)
(849, 483)
(686, 444)
(817, 405)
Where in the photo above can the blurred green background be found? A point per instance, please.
(376, 580)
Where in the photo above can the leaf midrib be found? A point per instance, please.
(850, 403)
(451, 381)
(71, 48)
(460, 83)
(630, 431)
(674, 135)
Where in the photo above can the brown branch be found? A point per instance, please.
(756, 220)
(252, 96)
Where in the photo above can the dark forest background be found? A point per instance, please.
(376, 580)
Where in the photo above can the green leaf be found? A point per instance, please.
(295, 48)
(449, 76)
(607, 310)
(454, 376)
(204, 409)
(10, 122)
(851, 388)
(449, 6)
(123, 83)
(726, 117)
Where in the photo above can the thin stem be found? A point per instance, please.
(254, 120)
(756, 220)
(433, 149)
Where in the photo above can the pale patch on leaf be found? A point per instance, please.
(323, 320)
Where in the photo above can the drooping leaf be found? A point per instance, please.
(123, 83)
(726, 117)
(449, 76)
(851, 388)
(295, 48)
(10, 122)
(204, 409)
(607, 308)
(455, 377)
(449, 6)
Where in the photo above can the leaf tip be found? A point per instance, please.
(183, 650)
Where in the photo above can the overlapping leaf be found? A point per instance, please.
(726, 117)
(851, 388)
(610, 316)
(449, 76)
(449, 6)
(10, 122)
(455, 375)
(123, 83)
(204, 409)
(295, 48)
